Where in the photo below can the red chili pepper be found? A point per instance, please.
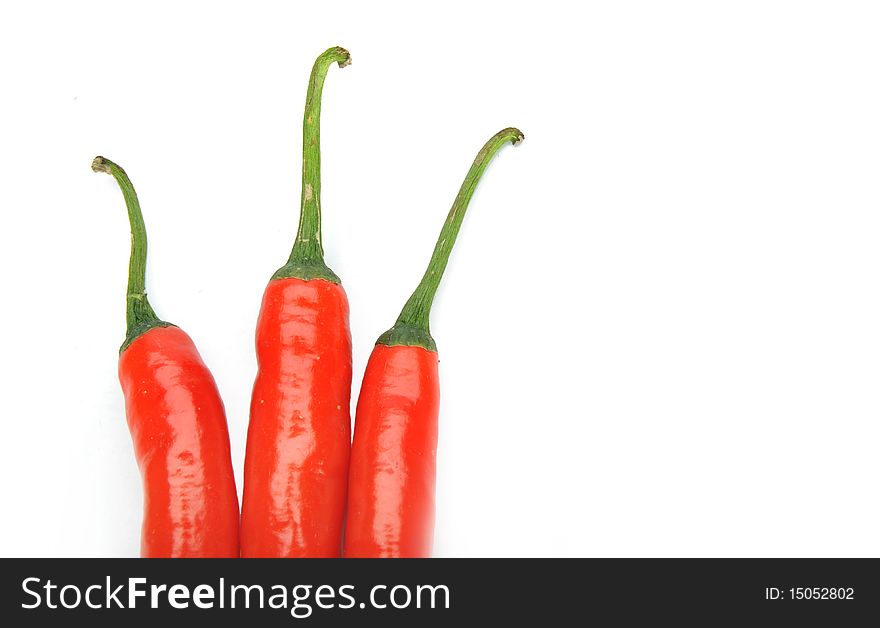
(296, 463)
(176, 420)
(393, 457)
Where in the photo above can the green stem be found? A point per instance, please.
(413, 324)
(307, 256)
(139, 315)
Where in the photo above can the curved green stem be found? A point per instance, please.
(307, 256)
(412, 326)
(139, 315)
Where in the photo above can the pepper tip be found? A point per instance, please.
(100, 164)
(345, 56)
(338, 54)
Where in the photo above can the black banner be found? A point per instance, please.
(129, 592)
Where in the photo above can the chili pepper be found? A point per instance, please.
(176, 419)
(393, 457)
(299, 436)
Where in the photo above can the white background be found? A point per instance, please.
(658, 333)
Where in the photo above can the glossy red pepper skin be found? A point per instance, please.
(178, 426)
(296, 464)
(393, 457)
